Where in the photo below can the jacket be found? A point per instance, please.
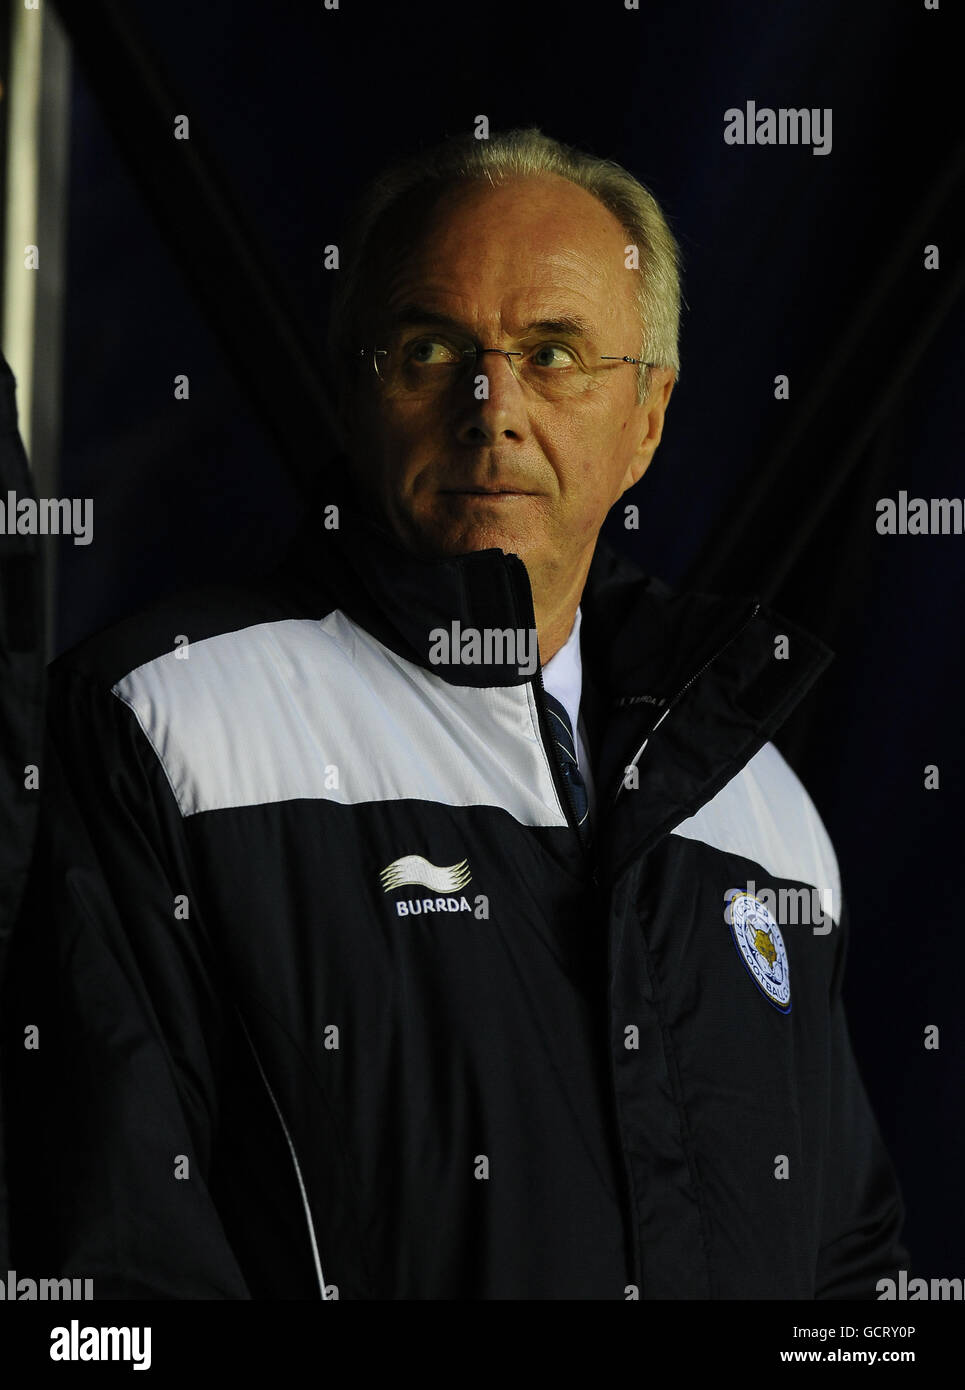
(336, 1002)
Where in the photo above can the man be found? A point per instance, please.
(396, 959)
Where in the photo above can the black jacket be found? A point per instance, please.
(333, 998)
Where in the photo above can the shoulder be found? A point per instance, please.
(765, 814)
(178, 624)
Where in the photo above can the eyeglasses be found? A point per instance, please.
(429, 365)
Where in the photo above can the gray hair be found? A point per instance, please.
(517, 154)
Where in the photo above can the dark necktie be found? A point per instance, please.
(563, 734)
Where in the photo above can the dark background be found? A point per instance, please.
(209, 261)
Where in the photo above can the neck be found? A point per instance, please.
(555, 613)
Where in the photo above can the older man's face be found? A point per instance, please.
(529, 474)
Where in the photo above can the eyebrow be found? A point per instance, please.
(414, 315)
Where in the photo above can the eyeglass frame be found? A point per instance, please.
(505, 352)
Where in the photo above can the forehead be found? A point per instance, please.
(531, 248)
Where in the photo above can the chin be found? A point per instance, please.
(442, 540)
(442, 533)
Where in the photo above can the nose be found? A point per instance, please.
(496, 405)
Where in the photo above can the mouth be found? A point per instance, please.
(485, 492)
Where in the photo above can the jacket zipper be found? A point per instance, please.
(630, 1189)
(684, 688)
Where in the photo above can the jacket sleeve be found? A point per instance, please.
(115, 1106)
(863, 1208)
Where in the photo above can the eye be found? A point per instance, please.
(543, 356)
(431, 352)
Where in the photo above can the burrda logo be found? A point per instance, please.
(444, 880)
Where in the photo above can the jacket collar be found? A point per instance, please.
(402, 599)
(640, 639)
(718, 675)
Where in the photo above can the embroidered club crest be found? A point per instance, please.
(761, 946)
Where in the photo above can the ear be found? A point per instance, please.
(651, 418)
